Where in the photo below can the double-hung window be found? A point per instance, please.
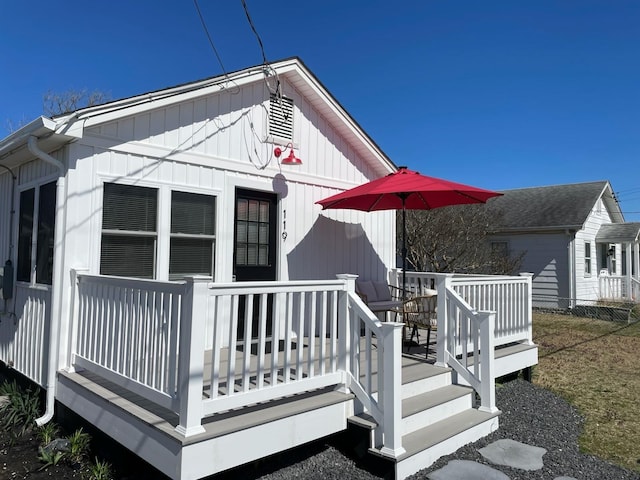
(193, 223)
(36, 234)
(129, 231)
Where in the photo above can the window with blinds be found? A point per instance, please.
(252, 232)
(129, 231)
(193, 223)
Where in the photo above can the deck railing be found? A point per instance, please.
(127, 331)
(508, 296)
(177, 344)
(467, 343)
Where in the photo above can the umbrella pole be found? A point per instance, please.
(404, 250)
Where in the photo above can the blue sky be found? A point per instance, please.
(496, 94)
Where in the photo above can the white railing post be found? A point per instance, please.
(443, 282)
(191, 356)
(391, 388)
(487, 356)
(73, 318)
(529, 306)
(344, 325)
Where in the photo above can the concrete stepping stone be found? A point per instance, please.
(466, 470)
(514, 454)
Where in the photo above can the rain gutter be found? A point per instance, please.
(54, 326)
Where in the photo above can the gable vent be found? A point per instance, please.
(281, 118)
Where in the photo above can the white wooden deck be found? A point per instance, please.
(229, 438)
(159, 367)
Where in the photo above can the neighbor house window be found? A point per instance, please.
(36, 237)
(587, 258)
(193, 223)
(129, 231)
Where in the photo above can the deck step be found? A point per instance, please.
(428, 408)
(426, 445)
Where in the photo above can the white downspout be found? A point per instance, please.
(56, 287)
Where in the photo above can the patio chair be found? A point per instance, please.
(420, 312)
(379, 296)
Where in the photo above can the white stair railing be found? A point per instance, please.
(380, 389)
(466, 342)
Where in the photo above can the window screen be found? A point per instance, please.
(25, 233)
(43, 234)
(46, 228)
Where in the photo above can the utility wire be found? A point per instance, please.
(206, 30)
(246, 11)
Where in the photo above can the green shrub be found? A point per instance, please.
(48, 432)
(19, 414)
(78, 446)
(49, 459)
(100, 471)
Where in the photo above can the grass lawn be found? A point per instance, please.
(595, 364)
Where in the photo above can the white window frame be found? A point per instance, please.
(588, 266)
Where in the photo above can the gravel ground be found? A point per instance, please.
(529, 414)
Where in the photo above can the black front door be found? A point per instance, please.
(255, 251)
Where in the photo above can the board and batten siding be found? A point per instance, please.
(216, 141)
(231, 125)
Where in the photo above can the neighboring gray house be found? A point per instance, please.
(577, 244)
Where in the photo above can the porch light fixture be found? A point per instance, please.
(290, 160)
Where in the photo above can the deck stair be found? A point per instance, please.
(438, 417)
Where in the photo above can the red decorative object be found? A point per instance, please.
(289, 160)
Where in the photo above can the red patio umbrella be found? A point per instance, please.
(406, 189)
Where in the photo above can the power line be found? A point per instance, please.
(206, 31)
(246, 11)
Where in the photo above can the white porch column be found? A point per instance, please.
(443, 281)
(628, 265)
(191, 359)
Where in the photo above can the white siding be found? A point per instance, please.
(587, 288)
(232, 125)
(216, 143)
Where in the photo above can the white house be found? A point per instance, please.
(576, 242)
(168, 276)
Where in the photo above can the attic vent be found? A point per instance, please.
(281, 117)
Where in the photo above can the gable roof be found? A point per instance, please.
(64, 128)
(619, 232)
(551, 208)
